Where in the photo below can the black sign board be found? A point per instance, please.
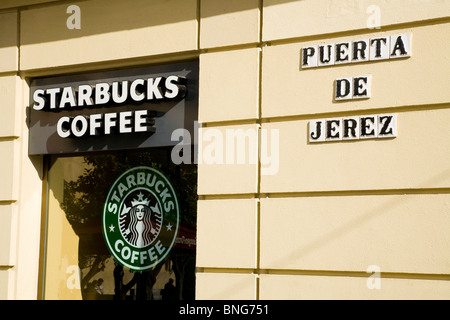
(112, 110)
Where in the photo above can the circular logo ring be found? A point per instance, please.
(141, 218)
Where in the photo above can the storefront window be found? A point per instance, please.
(77, 263)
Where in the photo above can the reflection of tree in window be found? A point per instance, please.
(83, 206)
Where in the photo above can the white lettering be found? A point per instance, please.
(59, 127)
(134, 256)
(143, 256)
(79, 126)
(52, 93)
(84, 95)
(115, 92)
(173, 89)
(95, 123)
(125, 121)
(116, 245)
(159, 247)
(102, 93)
(153, 90)
(141, 121)
(38, 99)
(135, 94)
(126, 253)
(67, 96)
(110, 122)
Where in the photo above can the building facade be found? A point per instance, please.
(309, 155)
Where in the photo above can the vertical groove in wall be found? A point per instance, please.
(258, 246)
(14, 244)
(258, 208)
(198, 23)
(43, 231)
(19, 37)
(19, 14)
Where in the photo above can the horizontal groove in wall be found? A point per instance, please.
(336, 193)
(399, 109)
(128, 62)
(383, 28)
(229, 196)
(7, 202)
(358, 112)
(9, 139)
(110, 64)
(9, 73)
(234, 47)
(326, 273)
(210, 124)
(42, 5)
(171, 56)
(5, 268)
(356, 32)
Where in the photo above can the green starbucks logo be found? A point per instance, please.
(140, 218)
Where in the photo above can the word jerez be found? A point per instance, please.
(353, 128)
(104, 95)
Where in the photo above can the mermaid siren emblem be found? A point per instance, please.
(136, 222)
(140, 218)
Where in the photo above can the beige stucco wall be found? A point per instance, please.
(309, 229)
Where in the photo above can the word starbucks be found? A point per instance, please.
(108, 95)
(353, 128)
(117, 92)
(380, 48)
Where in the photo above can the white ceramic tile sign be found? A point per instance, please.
(352, 88)
(372, 49)
(353, 128)
(359, 87)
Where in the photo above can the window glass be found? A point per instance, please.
(77, 263)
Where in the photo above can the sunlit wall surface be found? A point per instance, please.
(278, 216)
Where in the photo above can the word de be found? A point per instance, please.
(352, 88)
(381, 48)
(353, 128)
